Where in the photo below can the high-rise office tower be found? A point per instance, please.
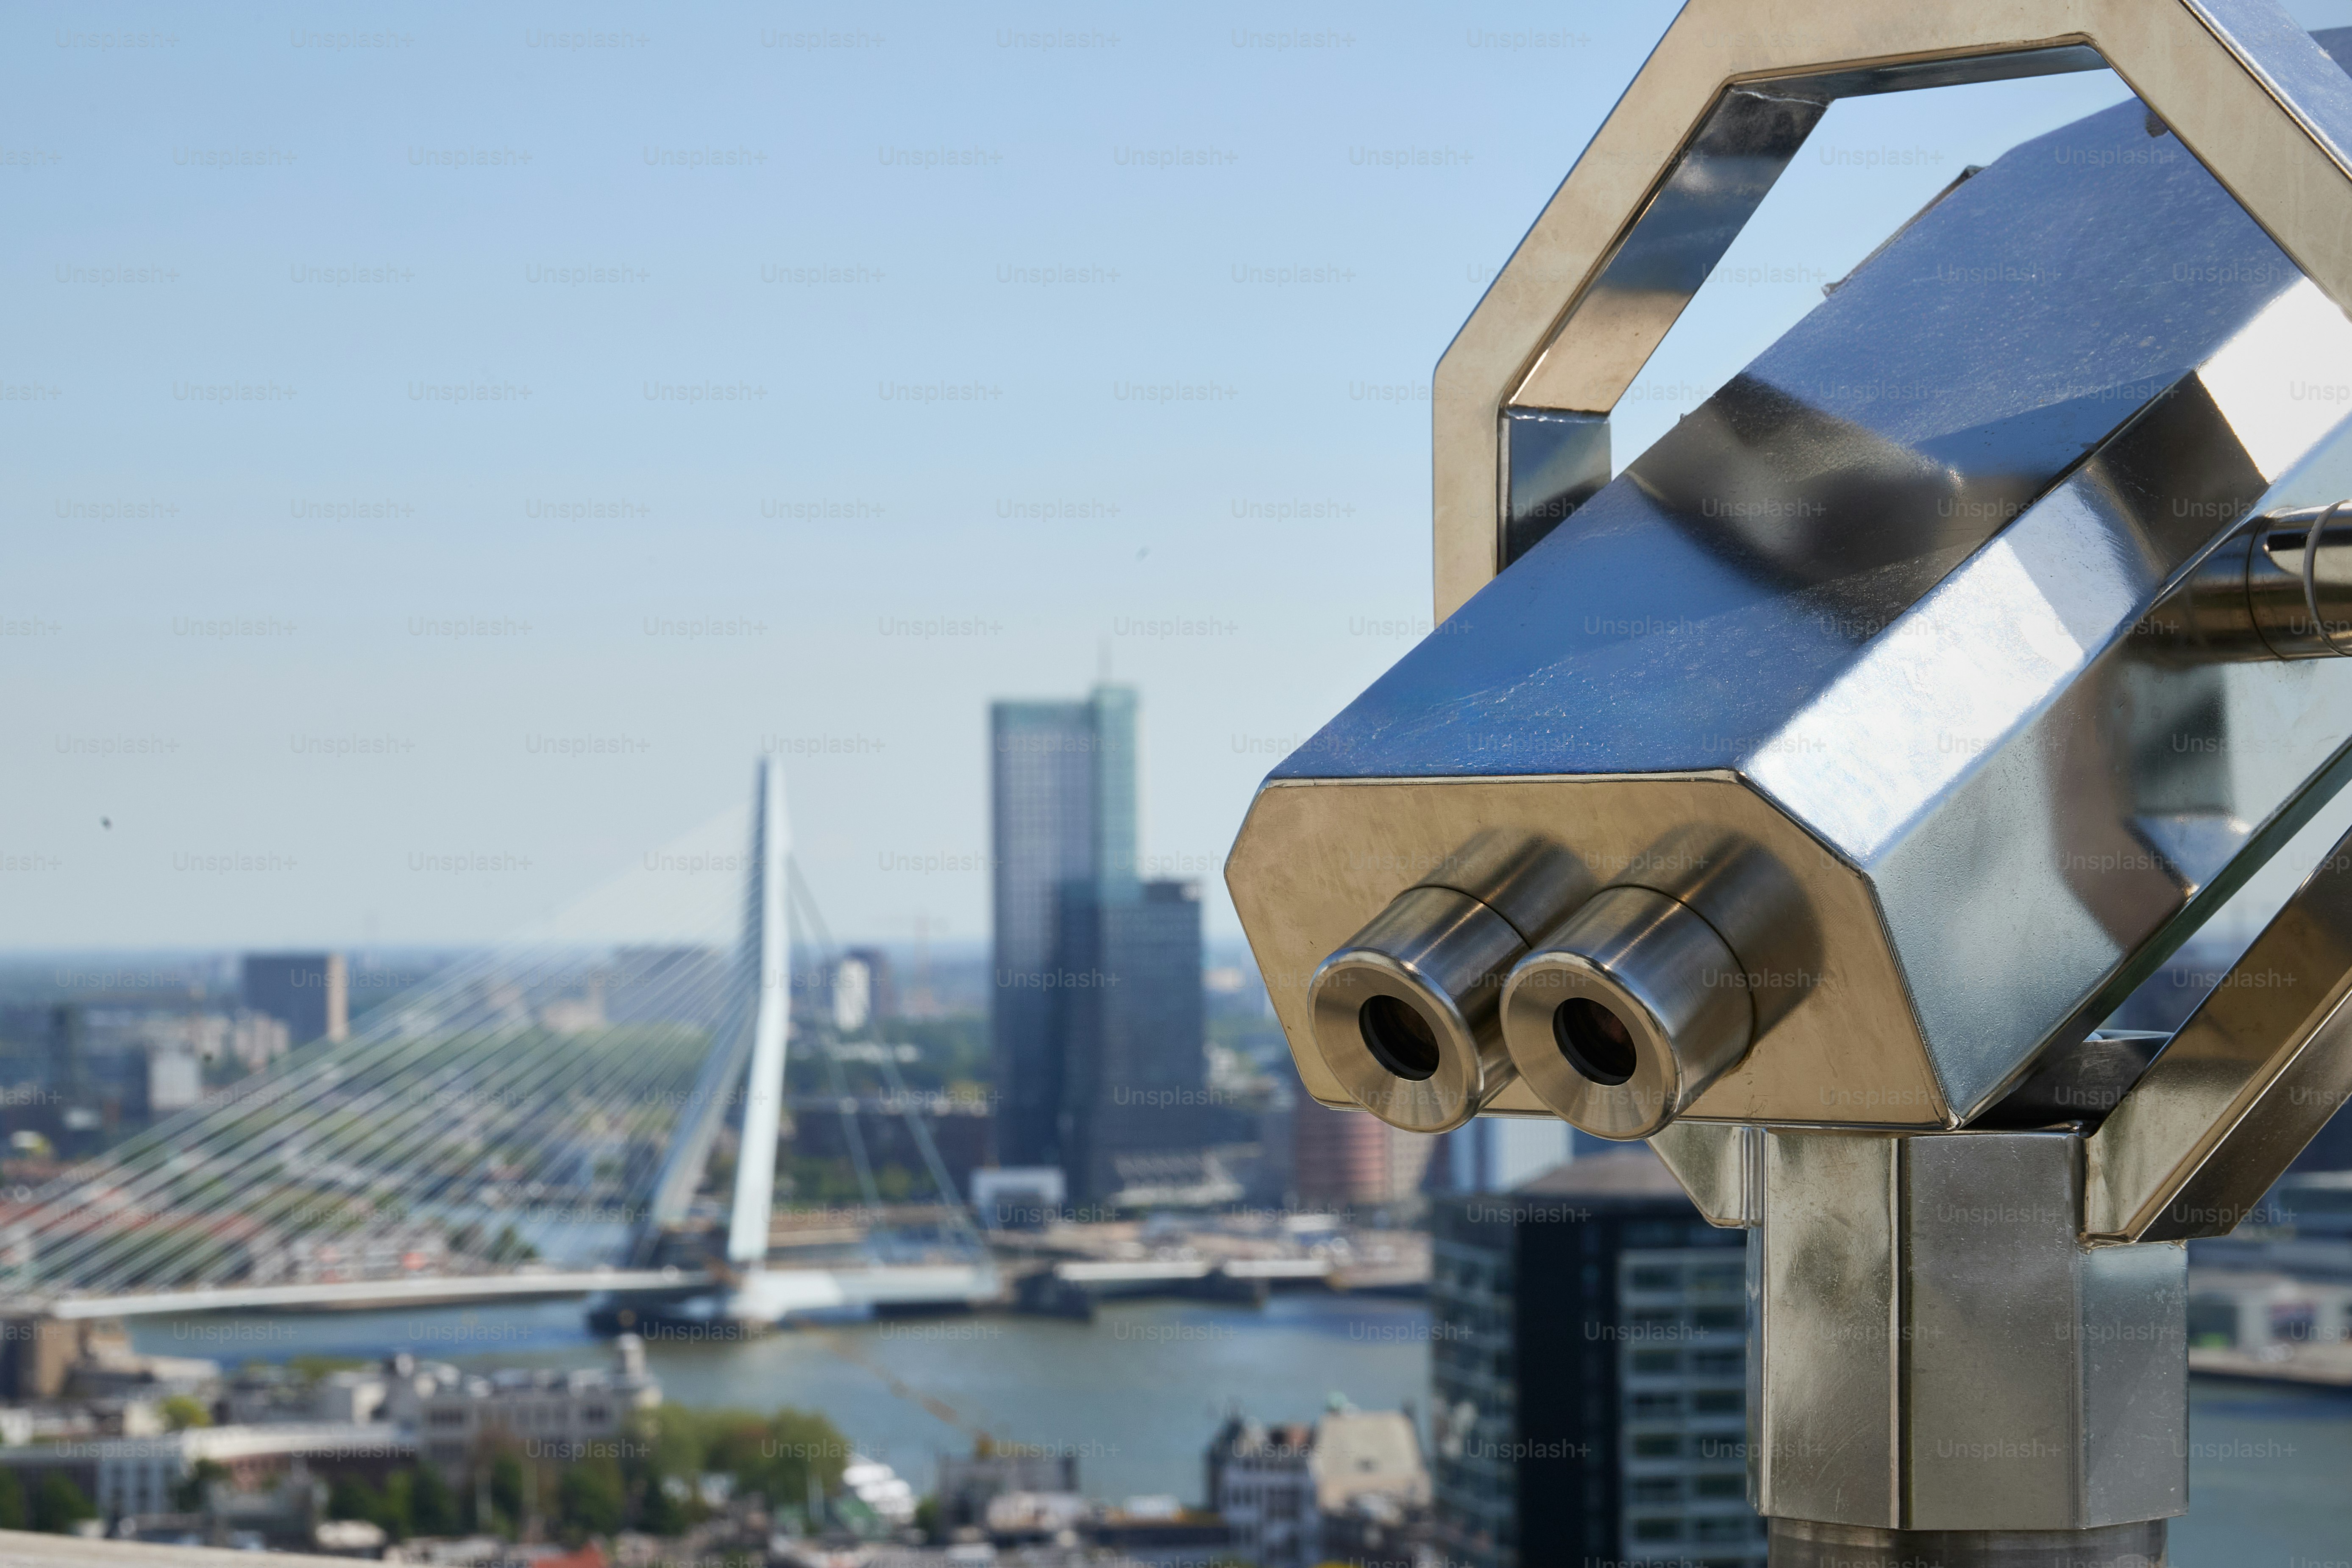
(1042, 783)
(307, 992)
(1589, 1371)
(1132, 1069)
(1096, 1007)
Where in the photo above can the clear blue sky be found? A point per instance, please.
(832, 325)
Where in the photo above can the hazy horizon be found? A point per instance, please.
(446, 459)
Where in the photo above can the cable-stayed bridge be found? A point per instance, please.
(534, 1123)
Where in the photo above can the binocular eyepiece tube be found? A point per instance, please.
(1625, 1014)
(1407, 1013)
(1619, 1008)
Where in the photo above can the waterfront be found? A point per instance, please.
(1137, 1394)
(2266, 1473)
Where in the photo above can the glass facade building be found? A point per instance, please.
(1096, 1007)
(1587, 1371)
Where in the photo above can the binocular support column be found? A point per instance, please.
(1800, 1543)
(1944, 1371)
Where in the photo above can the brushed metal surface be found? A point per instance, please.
(1440, 956)
(1660, 976)
(1315, 860)
(1941, 1351)
(1720, 1166)
(1826, 1416)
(2134, 1380)
(1986, 707)
(1808, 1544)
(1728, 97)
(2256, 1070)
(1441, 951)
(1951, 665)
(1989, 1346)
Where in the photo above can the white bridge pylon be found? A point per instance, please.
(465, 1145)
(768, 955)
(752, 1056)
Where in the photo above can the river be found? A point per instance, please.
(1137, 1394)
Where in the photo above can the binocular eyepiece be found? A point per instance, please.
(1618, 1008)
(1627, 1013)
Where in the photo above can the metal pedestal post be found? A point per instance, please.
(1944, 1371)
(1805, 1544)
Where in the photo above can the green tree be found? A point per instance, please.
(591, 1496)
(506, 1485)
(189, 1496)
(776, 1455)
(351, 1498)
(432, 1504)
(59, 1505)
(732, 1441)
(397, 1511)
(799, 1452)
(665, 1511)
(679, 1438)
(12, 1502)
(180, 1411)
(311, 1368)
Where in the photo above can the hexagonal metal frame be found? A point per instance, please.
(1647, 210)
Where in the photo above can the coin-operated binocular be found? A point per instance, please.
(1803, 798)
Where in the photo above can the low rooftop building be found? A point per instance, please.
(1283, 1489)
(449, 1412)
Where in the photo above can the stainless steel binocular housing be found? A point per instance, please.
(1516, 976)
(1991, 661)
(1804, 795)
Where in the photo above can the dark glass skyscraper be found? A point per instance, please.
(1042, 787)
(307, 992)
(1131, 1031)
(1096, 1012)
(1589, 1371)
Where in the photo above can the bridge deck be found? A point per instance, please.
(20, 1549)
(789, 1290)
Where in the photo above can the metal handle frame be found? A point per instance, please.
(1724, 103)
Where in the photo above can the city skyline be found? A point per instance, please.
(1095, 1006)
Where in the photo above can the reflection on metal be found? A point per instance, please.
(1723, 104)
(1627, 1013)
(1938, 1348)
(1917, 582)
(1806, 1544)
(1720, 1164)
(1555, 462)
(2280, 590)
(1901, 710)
(2079, 1085)
(1404, 1011)
(1315, 861)
(2247, 1082)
